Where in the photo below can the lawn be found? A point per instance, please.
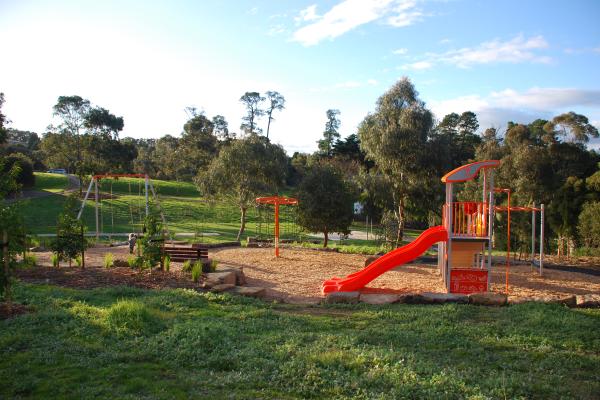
(50, 182)
(133, 343)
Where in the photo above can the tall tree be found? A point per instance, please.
(244, 170)
(330, 134)
(252, 101)
(100, 121)
(221, 128)
(276, 102)
(572, 126)
(395, 138)
(197, 146)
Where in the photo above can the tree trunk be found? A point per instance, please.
(400, 217)
(242, 223)
(326, 235)
(268, 126)
(5, 255)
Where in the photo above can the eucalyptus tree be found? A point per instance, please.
(276, 103)
(331, 132)
(395, 138)
(245, 169)
(252, 101)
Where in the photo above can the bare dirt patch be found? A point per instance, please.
(297, 275)
(94, 275)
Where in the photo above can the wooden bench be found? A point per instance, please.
(185, 253)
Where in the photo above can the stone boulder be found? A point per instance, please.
(488, 299)
(249, 291)
(222, 287)
(342, 298)
(240, 278)
(378, 298)
(588, 300)
(441, 298)
(221, 277)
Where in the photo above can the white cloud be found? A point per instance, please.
(417, 66)
(516, 50)
(497, 108)
(253, 11)
(307, 14)
(350, 14)
(400, 52)
(445, 41)
(372, 82)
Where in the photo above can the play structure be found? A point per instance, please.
(464, 239)
(263, 226)
(96, 185)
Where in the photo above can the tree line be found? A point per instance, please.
(392, 164)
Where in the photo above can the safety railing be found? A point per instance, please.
(467, 219)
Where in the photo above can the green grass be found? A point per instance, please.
(50, 182)
(128, 343)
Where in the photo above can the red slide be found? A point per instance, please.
(394, 258)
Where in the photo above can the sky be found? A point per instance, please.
(149, 60)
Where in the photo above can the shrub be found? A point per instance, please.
(55, 259)
(25, 176)
(589, 225)
(167, 263)
(187, 266)
(30, 260)
(109, 258)
(79, 261)
(196, 271)
(134, 261)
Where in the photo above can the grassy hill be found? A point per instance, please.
(122, 209)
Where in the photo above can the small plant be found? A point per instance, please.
(187, 266)
(55, 259)
(213, 265)
(167, 263)
(132, 261)
(196, 271)
(30, 260)
(79, 261)
(109, 258)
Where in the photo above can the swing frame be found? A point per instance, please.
(277, 201)
(94, 184)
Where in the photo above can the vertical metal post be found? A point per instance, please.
(490, 228)
(87, 193)
(533, 233)
(449, 227)
(367, 227)
(542, 239)
(277, 228)
(508, 243)
(146, 186)
(97, 219)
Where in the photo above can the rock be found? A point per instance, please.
(588, 300)
(240, 278)
(370, 259)
(250, 291)
(568, 301)
(343, 298)
(440, 298)
(488, 299)
(518, 300)
(210, 283)
(221, 277)
(378, 298)
(223, 287)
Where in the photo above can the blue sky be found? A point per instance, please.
(148, 60)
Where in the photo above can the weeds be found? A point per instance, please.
(167, 263)
(55, 259)
(30, 260)
(109, 258)
(187, 266)
(196, 271)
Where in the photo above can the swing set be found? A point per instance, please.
(96, 185)
(263, 206)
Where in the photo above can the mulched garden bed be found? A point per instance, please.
(15, 309)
